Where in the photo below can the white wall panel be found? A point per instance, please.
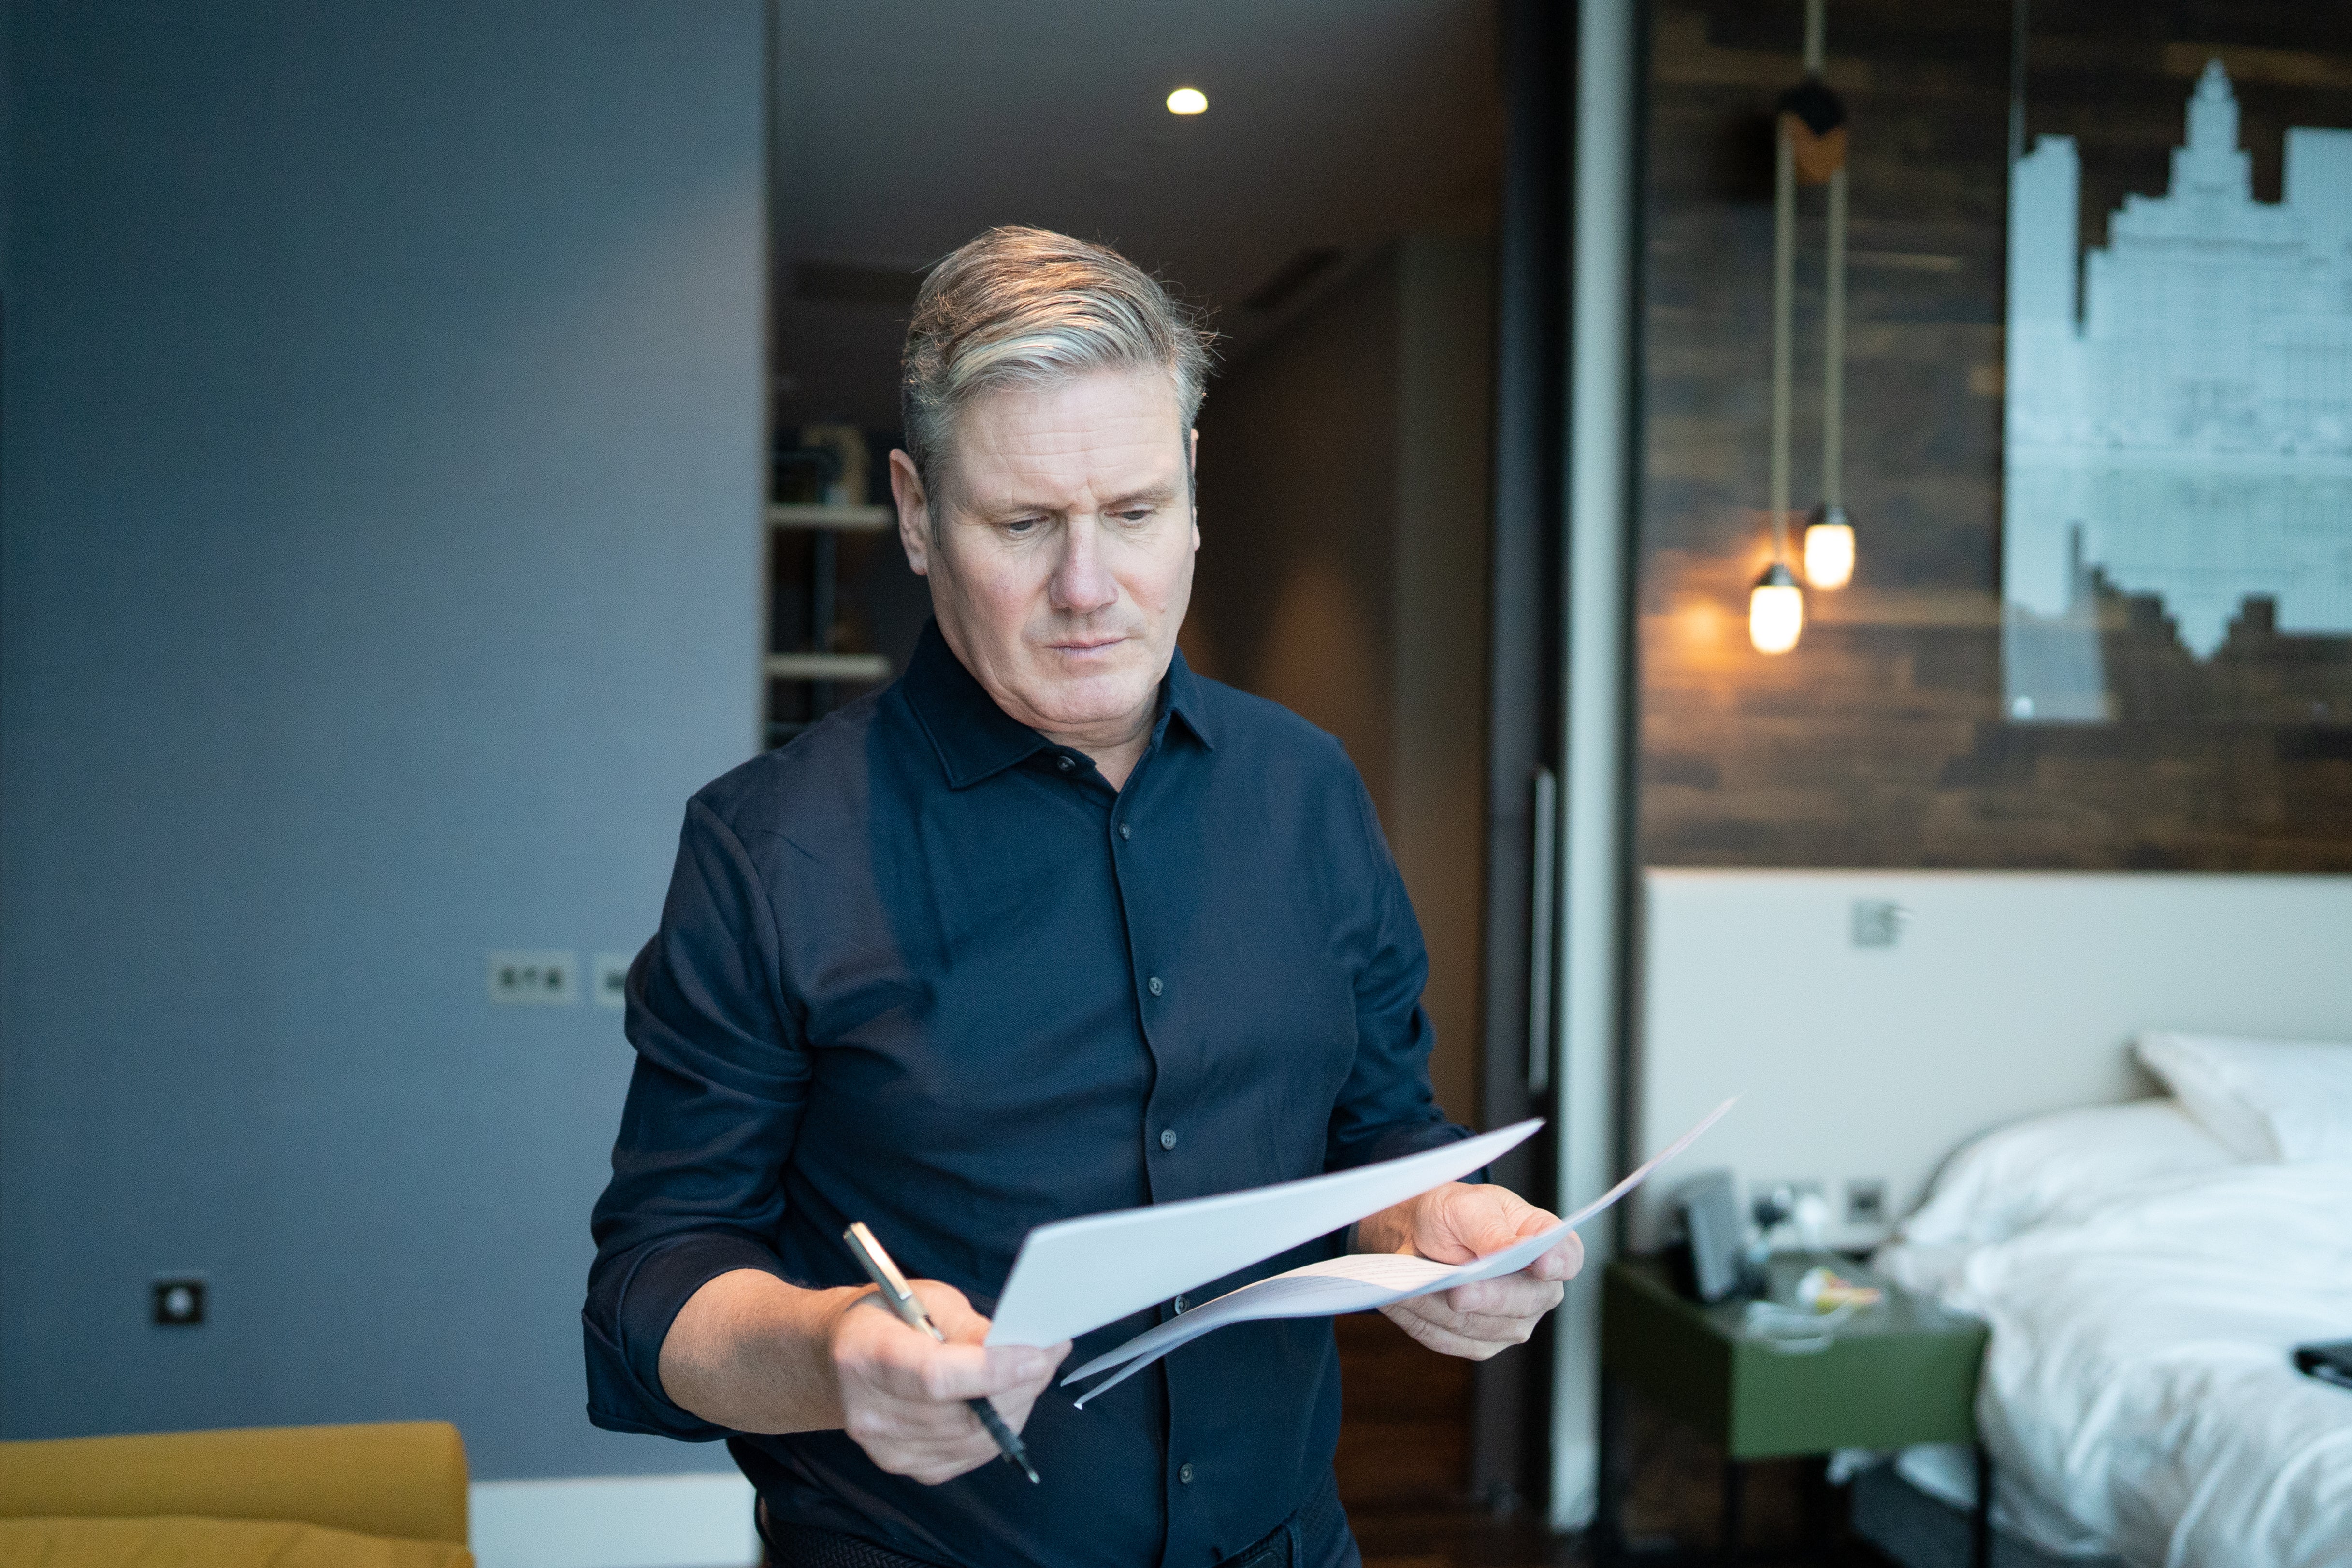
(2006, 994)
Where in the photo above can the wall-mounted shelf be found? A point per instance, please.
(833, 518)
(867, 667)
(824, 475)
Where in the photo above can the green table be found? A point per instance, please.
(1902, 1372)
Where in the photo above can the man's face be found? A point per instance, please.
(1062, 561)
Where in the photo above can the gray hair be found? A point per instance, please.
(1025, 308)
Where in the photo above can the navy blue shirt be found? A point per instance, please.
(924, 967)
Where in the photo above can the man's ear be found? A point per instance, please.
(914, 513)
(1193, 479)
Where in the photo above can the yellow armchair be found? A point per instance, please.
(391, 1495)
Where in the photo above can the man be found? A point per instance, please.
(1050, 926)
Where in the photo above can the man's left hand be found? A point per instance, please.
(1454, 1224)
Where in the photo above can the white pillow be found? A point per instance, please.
(2043, 1167)
(2267, 1099)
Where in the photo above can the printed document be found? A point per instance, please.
(1080, 1274)
(1359, 1282)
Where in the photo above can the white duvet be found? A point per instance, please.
(2139, 1396)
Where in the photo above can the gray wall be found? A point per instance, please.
(1344, 519)
(380, 573)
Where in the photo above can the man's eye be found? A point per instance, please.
(1138, 515)
(1021, 528)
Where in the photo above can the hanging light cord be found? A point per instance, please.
(1833, 353)
(1784, 292)
(1833, 301)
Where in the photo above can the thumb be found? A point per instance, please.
(952, 1310)
(1473, 1220)
(1502, 1219)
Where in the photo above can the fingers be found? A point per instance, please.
(1508, 1313)
(909, 1364)
(1564, 1262)
(905, 1394)
(1520, 1291)
(1477, 1321)
(1015, 1403)
(1433, 1330)
(1511, 1296)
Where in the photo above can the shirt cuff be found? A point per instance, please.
(659, 1282)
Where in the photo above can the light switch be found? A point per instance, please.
(1878, 922)
(538, 976)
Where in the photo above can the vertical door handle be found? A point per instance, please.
(1543, 846)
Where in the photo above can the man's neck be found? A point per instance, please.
(1114, 754)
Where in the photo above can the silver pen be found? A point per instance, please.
(902, 1297)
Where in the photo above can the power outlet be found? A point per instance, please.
(609, 980)
(1865, 1202)
(536, 978)
(177, 1301)
(1782, 1198)
(1787, 1190)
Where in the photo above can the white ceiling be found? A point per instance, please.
(904, 126)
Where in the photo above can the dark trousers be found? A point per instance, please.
(1316, 1536)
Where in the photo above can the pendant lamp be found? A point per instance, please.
(1820, 136)
(1810, 143)
(1776, 605)
(1776, 611)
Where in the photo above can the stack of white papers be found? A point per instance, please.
(1358, 1284)
(1077, 1275)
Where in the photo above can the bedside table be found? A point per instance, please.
(1902, 1372)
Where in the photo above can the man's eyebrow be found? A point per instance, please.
(1165, 491)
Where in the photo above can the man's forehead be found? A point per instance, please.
(1111, 428)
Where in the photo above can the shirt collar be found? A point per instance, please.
(976, 739)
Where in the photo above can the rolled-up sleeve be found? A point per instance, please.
(1386, 1108)
(713, 1108)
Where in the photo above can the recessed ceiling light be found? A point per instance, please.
(1188, 100)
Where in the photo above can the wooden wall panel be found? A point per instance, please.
(1880, 741)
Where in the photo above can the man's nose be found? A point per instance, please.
(1082, 582)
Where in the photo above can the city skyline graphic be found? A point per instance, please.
(2179, 417)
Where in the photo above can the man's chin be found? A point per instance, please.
(1065, 703)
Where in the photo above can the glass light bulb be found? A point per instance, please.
(1829, 555)
(1188, 100)
(1776, 611)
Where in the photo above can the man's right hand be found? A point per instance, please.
(903, 1392)
(751, 1352)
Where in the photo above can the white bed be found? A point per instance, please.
(2145, 1281)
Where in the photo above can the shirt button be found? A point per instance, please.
(1153, 986)
(1181, 1304)
(1168, 1137)
(1125, 832)
(1184, 1472)
(1064, 763)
